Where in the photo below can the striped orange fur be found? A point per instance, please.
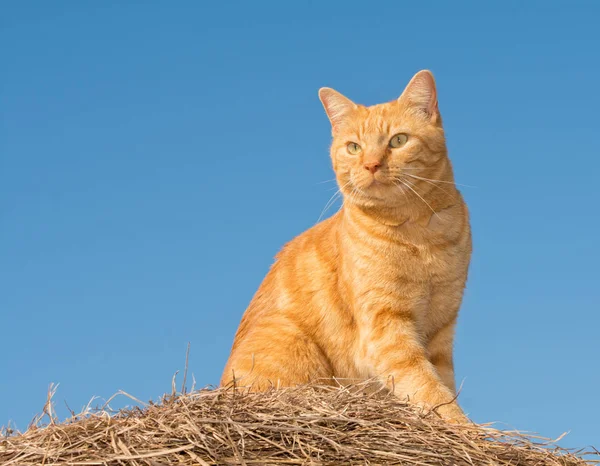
(372, 292)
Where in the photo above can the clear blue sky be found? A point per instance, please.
(154, 156)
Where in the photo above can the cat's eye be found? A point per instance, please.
(353, 148)
(398, 140)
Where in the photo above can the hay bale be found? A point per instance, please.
(301, 426)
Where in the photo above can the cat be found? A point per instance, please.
(373, 292)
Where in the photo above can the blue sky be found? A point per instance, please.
(155, 156)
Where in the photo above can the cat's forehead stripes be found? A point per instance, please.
(378, 120)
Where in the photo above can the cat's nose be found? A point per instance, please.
(372, 166)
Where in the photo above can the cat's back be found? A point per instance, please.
(284, 312)
(305, 266)
(304, 269)
(315, 247)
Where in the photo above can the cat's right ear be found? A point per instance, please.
(336, 106)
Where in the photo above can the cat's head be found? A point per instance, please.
(380, 152)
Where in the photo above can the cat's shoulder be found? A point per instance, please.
(321, 235)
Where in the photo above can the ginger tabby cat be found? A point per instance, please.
(372, 292)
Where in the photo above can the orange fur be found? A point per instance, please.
(372, 292)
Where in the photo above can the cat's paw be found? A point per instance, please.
(452, 413)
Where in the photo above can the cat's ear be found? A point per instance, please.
(336, 106)
(421, 94)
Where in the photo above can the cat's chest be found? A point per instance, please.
(415, 254)
(412, 272)
(407, 261)
(408, 268)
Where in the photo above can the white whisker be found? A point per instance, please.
(438, 181)
(353, 194)
(332, 200)
(329, 203)
(327, 181)
(400, 188)
(405, 183)
(430, 182)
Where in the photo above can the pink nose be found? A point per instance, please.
(372, 166)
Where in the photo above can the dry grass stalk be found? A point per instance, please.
(300, 426)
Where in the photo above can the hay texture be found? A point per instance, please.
(300, 426)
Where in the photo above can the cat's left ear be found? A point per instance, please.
(421, 93)
(337, 106)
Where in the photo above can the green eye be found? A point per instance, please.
(353, 148)
(398, 140)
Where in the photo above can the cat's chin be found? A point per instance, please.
(381, 190)
(372, 193)
(372, 198)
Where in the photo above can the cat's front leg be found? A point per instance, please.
(394, 352)
(439, 353)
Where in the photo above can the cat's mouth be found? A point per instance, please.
(374, 188)
(376, 182)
